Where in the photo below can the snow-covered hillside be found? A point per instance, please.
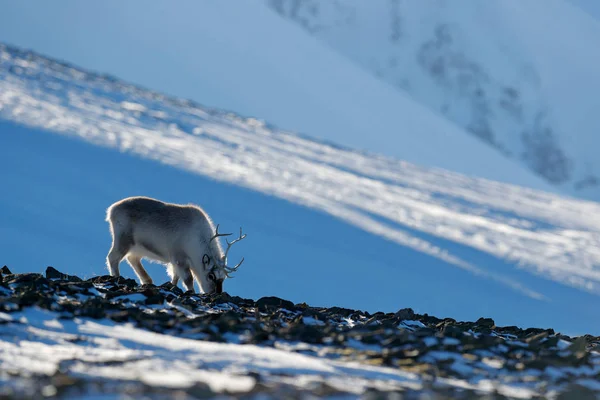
(522, 76)
(325, 224)
(67, 338)
(247, 59)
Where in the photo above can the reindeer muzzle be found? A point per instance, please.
(219, 286)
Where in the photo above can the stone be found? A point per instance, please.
(452, 331)
(102, 279)
(220, 298)
(130, 283)
(405, 314)
(153, 296)
(486, 323)
(172, 288)
(579, 345)
(53, 273)
(270, 302)
(344, 334)
(24, 282)
(345, 312)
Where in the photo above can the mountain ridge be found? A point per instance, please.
(515, 89)
(228, 57)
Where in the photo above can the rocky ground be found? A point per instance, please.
(438, 358)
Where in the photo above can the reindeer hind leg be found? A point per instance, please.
(140, 271)
(120, 247)
(122, 241)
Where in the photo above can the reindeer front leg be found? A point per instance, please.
(188, 280)
(181, 268)
(175, 279)
(172, 271)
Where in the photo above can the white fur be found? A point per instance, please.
(172, 234)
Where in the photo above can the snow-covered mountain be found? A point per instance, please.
(521, 76)
(230, 57)
(325, 224)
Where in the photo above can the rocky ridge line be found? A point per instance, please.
(431, 347)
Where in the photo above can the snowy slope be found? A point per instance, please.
(108, 350)
(248, 59)
(112, 351)
(325, 224)
(74, 339)
(521, 76)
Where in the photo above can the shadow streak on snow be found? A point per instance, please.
(61, 187)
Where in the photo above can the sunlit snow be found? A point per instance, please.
(104, 349)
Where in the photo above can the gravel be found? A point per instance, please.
(437, 349)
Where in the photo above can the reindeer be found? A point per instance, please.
(182, 237)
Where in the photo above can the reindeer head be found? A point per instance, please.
(215, 265)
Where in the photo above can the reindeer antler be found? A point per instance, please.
(232, 269)
(217, 234)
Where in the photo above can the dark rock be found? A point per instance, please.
(304, 333)
(429, 320)
(28, 299)
(5, 271)
(153, 295)
(200, 390)
(119, 316)
(271, 302)
(345, 312)
(172, 288)
(578, 346)
(378, 315)
(534, 331)
(373, 320)
(536, 339)
(228, 321)
(577, 391)
(26, 282)
(486, 323)
(452, 331)
(102, 279)
(447, 321)
(220, 298)
(550, 342)
(399, 339)
(73, 287)
(405, 314)
(342, 334)
(130, 283)
(94, 308)
(53, 273)
(112, 294)
(241, 302)
(260, 337)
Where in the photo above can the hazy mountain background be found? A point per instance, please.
(520, 76)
